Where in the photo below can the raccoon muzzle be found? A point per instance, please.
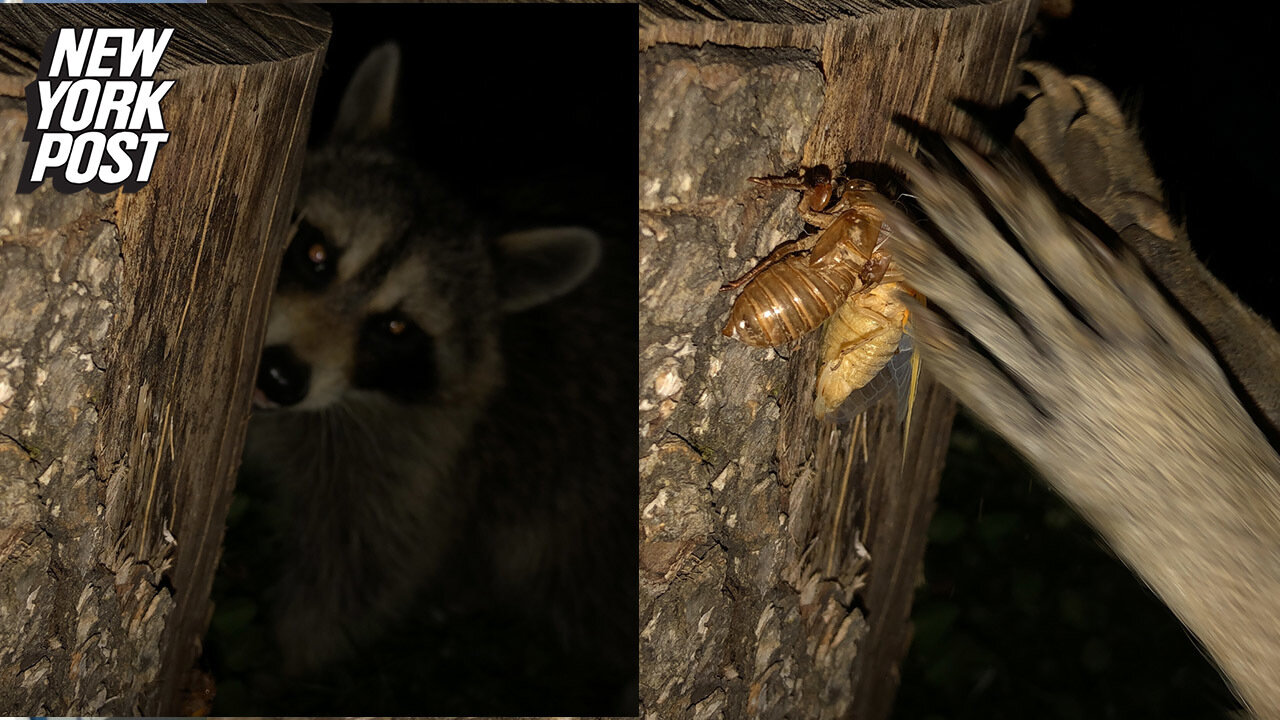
(282, 378)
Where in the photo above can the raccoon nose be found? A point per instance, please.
(282, 377)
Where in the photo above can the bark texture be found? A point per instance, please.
(129, 332)
(778, 556)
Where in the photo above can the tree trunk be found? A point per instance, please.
(778, 556)
(129, 334)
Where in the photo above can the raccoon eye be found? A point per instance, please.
(310, 260)
(392, 326)
(317, 254)
(396, 357)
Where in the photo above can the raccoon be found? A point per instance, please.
(373, 423)
(1067, 348)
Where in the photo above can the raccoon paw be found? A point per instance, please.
(1060, 336)
(1075, 128)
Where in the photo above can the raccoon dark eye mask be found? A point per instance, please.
(396, 357)
(310, 261)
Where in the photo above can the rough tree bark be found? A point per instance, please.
(777, 560)
(129, 332)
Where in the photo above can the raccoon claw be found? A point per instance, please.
(1099, 101)
(1075, 128)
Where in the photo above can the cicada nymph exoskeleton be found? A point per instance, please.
(802, 283)
(841, 275)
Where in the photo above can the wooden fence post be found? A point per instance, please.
(129, 333)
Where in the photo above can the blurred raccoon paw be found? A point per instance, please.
(1063, 337)
(1075, 128)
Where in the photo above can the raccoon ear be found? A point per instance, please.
(365, 112)
(535, 266)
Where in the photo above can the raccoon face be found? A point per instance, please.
(330, 333)
(388, 287)
(374, 298)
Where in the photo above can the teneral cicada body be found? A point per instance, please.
(803, 282)
(859, 340)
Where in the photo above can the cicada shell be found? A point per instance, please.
(787, 300)
(802, 283)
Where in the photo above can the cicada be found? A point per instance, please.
(841, 275)
(802, 283)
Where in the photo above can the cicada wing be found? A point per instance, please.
(900, 368)
(895, 376)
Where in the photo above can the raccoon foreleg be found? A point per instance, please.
(1113, 399)
(1076, 130)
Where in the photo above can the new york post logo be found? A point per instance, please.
(93, 113)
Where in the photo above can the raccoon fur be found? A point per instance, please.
(1063, 344)
(374, 424)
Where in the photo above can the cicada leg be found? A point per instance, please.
(790, 247)
(780, 182)
(833, 238)
(815, 183)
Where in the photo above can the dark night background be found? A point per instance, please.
(1023, 613)
(530, 107)
(529, 112)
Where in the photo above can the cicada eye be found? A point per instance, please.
(818, 179)
(396, 326)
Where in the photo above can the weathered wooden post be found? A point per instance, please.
(129, 334)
